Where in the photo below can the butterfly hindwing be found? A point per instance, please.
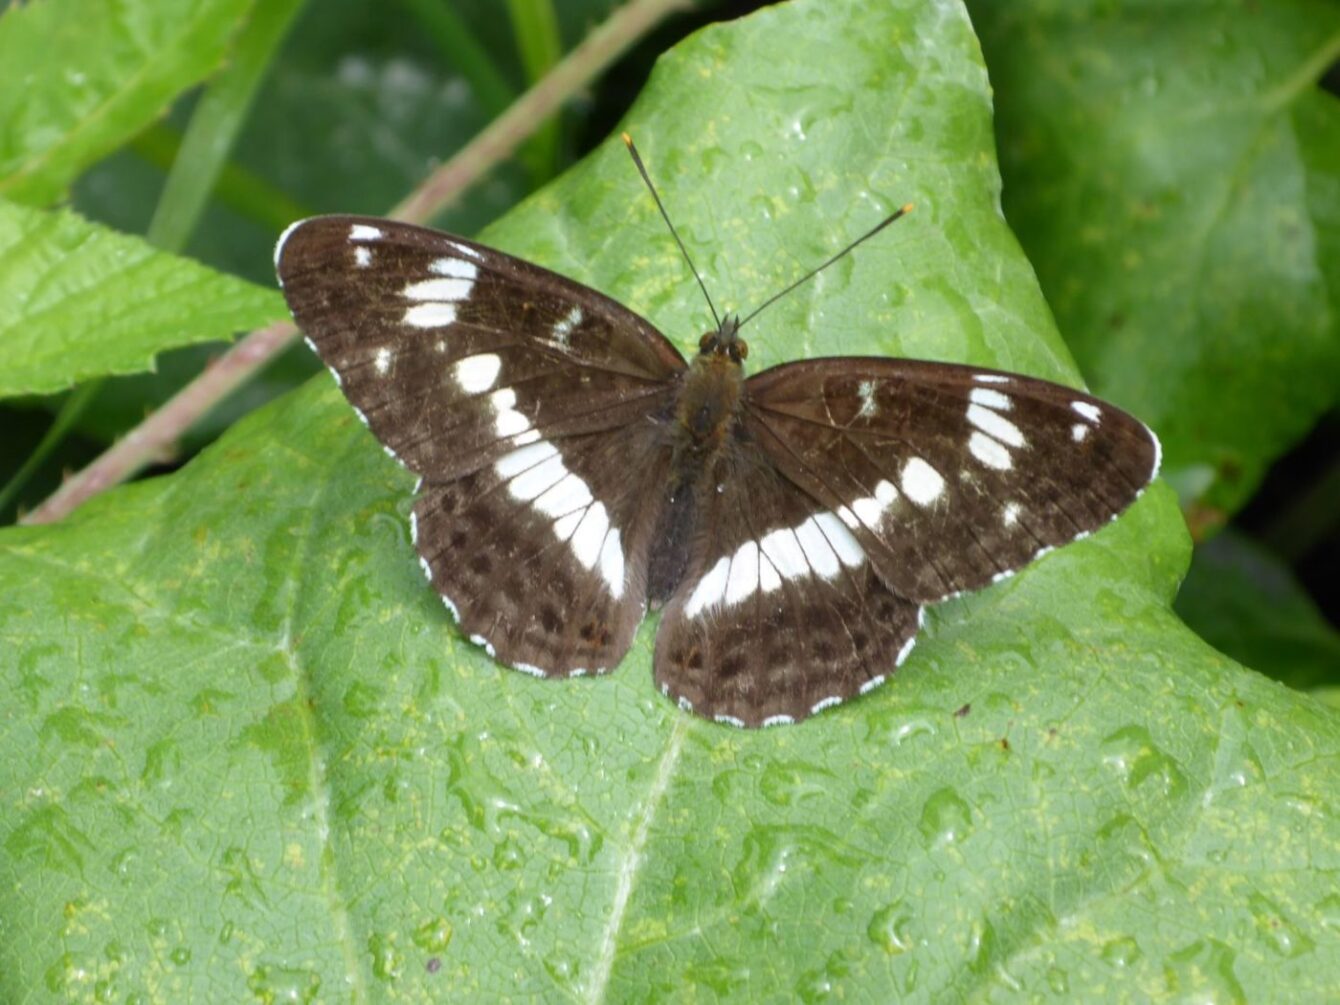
(453, 353)
(543, 554)
(779, 613)
(949, 476)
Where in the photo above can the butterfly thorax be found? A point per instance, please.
(709, 396)
(708, 401)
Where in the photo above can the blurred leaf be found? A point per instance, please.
(82, 77)
(79, 301)
(1316, 118)
(535, 25)
(1172, 170)
(215, 122)
(357, 110)
(1245, 602)
(248, 756)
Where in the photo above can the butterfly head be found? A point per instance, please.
(725, 341)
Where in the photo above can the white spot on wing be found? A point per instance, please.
(995, 425)
(382, 361)
(536, 474)
(589, 537)
(431, 315)
(363, 232)
(507, 421)
(611, 563)
(784, 552)
(903, 652)
(840, 539)
(455, 268)
(921, 482)
(477, 374)
(989, 399)
(467, 251)
(821, 557)
(433, 290)
(990, 452)
(768, 580)
(527, 457)
(362, 257)
(564, 526)
(744, 578)
(778, 720)
(1009, 514)
(1087, 409)
(730, 720)
(869, 510)
(872, 683)
(569, 495)
(565, 325)
(820, 545)
(828, 702)
(1079, 430)
(710, 589)
(534, 482)
(991, 378)
(866, 392)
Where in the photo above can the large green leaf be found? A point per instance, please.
(84, 76)
(1174, 174)
(79, 301)
(247, 755)
(1245, 601)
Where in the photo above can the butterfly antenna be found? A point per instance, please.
(642, 170)
(900, 211)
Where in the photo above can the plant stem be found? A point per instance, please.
(605, 44)
(156, 435)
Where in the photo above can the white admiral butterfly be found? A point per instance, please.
(575, 468)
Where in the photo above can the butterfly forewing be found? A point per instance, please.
(453, 353)
(949, 476)
(779, 614)
(533, 407)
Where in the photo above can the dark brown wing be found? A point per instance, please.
(453, 353)
(779, 614)
(949, 477)
(530, 404)
(543, 555)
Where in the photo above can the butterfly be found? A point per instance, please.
(575, 469)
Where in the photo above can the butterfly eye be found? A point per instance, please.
(706, 341)
(741, 348)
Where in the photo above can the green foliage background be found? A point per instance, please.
(244, 754)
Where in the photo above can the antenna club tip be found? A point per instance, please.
(907, 208)
(627, 140)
